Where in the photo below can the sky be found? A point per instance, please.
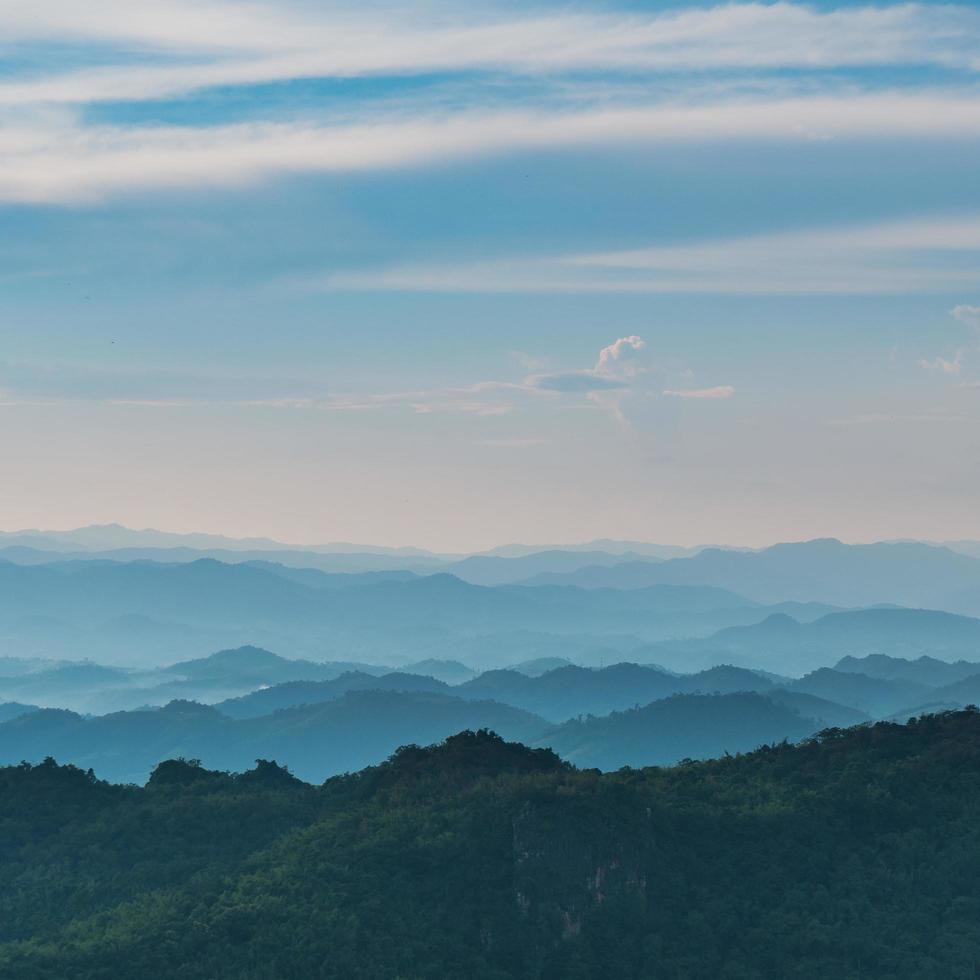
(455, 275)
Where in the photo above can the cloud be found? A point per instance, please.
(578, 77)
(927, 254)
(620, 384)
(615, 370)
(59, 161)
(617, 357)
(945, 366)
(719, 391)
(195, 46)
(574, 381)
(970, 315)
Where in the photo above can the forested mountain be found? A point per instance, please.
(827, 714)
(12, 709)
(962, 692)
(359, 728)
(873, 695)
(686, 726)
(319, 728)
(852, 856)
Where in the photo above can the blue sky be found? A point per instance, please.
(407, 273)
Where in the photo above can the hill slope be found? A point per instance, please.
(685, 726)
(359, 728)
(481, 859)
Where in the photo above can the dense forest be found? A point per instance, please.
(855, 854)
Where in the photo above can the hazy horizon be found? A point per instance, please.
(265, 540)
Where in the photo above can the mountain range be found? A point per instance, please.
(316, 741)
(827, 571)
(625, 714)
(138, 612)
(788, 646)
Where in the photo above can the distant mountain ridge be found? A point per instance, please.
(102, 537)
(141, 611)
(824, 570)
(321, 718)
(361, 723)
(316, 741)
(876, 642)
(694, 726)
(784, 645)
(98, 537)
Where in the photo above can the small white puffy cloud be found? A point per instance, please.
(719, 391)
(615, 369)
(622, 380)
(619, 356)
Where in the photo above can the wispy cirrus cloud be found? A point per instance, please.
(62, 161)
(928, 254)
(138, 52)
(221, 43)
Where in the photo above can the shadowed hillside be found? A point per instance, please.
(479, 858)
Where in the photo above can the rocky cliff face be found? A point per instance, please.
(566, 869)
